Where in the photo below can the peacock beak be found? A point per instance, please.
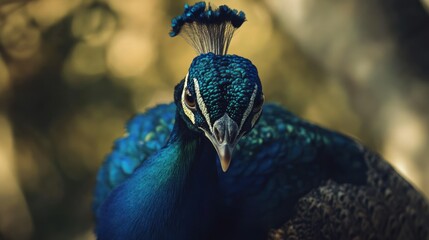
(225, 154)
(224, 138)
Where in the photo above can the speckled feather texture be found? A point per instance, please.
(238, 76)
(288, 179)
(386, 207)
(145, 134)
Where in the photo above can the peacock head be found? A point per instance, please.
(221, 95)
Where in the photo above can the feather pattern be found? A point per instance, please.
(287, 170)
(385, 207)
(145, 134)
(160, 191)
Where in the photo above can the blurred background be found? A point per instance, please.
(73, 71)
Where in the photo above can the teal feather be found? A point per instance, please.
(160, 191)
(280, 161)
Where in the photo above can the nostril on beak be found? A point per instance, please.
(231, 135)
(219, 133)
(225, 130)
(223, 136)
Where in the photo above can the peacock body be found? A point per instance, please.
(167, 179)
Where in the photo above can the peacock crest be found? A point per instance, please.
(207, 29)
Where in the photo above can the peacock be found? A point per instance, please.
(219, 163)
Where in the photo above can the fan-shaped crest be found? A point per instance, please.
(205, 29)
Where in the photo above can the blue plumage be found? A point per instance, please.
(146, 134)
(167, 177)
(161, 190)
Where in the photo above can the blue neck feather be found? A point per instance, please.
(160, 200)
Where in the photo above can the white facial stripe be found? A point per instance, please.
(202, 105)
(255, 117)
(187, 111)
(249, 108)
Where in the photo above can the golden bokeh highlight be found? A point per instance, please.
(129, 54)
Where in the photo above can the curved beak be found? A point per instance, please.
(224, 138)
(225, 154)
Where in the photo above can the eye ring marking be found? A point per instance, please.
(190, 100)
(188, 112)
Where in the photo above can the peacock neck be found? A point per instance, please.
(172, 195)
(192, 161)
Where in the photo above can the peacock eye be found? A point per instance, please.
(189, 100)
(258, 103)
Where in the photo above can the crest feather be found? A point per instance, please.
(205, 29)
